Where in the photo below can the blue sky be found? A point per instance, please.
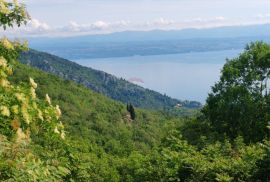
(71, 17)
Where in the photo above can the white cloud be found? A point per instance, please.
(74, 24)
(163, 22)
(220, 18)
(37, 25)
(100, 25)
(95, 27)
(48, 2)
(263, 16)
(34, 27)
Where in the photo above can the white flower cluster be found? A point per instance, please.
(5, 70)
(59, 126)
(19, 106)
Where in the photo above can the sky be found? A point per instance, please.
(77, 17)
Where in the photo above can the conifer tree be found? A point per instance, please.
(131, 111)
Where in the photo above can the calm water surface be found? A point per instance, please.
(182, 76)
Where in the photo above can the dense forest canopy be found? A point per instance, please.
(80, 135)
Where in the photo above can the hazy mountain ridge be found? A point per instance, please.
(156, 42)
(111, 86)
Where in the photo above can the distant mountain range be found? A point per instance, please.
(109, 85)
(131, 43)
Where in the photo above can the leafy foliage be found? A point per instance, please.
(239, 102)
(24, 119)
(12, 13)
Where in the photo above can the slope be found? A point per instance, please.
(96, 119)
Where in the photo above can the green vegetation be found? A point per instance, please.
(91, 116)
(105, 144)
(99, 139)
(30, 128)
(101, 82)
(12, 13)
(239, 103)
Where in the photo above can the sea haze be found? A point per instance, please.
(183, 76)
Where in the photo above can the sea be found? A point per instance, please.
(186, 76)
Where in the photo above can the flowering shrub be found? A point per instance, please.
(20, 109)
(26, 122)
(24, 117)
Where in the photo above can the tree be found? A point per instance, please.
(12, 13)
(131, 111)
(239, 103)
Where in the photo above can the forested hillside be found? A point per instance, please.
(107, 145)
(94, 118)
(118, 89)
(103, 143)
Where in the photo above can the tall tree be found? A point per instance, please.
(131, 111)
(239, 103)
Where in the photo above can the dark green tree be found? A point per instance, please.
(131, 111)
(239, 103)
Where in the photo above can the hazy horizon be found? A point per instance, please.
(70, 17)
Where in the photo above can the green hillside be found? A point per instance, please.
(117, 89)
(91, 116)
(99, 129)
(103, 143)
(96, 139)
